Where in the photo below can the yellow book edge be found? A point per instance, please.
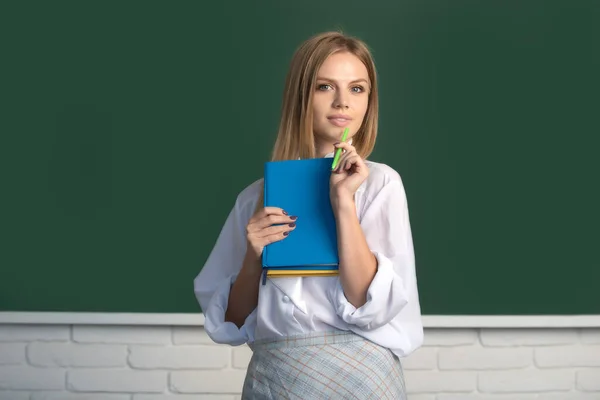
(298, 273)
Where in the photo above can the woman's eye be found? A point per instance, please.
(358, 89)
(324, 87)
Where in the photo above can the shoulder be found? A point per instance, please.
(382, 188)
(380, 176)
(246, 200)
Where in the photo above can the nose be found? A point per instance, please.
(340, 101)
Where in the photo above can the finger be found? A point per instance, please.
(273, 238)
(270, 220)
(344, 146)
(265, 211)
(351, 160)
(343, 159)
(281, 230)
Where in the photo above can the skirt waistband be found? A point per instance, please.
(310, 339)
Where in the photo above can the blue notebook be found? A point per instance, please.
(301, 188)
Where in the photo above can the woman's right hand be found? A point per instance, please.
(267, 225)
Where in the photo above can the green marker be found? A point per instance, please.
(338, 152)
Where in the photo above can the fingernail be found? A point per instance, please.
(285, 233)
(293, 218)
(336, 143)
(292, 225)
(284, 212)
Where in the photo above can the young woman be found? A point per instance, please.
(322, 337)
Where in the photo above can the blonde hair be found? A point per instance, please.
(295, 138)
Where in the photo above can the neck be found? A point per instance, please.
(323, 148)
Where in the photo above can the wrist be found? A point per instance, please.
(251, 265)
(343, 205)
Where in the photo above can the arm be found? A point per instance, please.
(386, 227)
(227, 287)
(377, 271)
(243, 297)
(267, 225)
(358, 264)
(213, 284)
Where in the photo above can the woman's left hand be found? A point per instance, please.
(349, 174)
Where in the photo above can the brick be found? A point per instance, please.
(183, 397)
(479, 396)
(78, 396)
(11, 395)
(29, 378)
(12, 353)
(423, 358)
(241, 356)
(528, 381)
(179, 357)
(571, 356)
(76, 355)
(568, 396)
(122, 334)
(190, 335)
(590, 336)
(29, 333)
(228, 381)
(438, 382)
(528, 337)
(117, 380)
(480, 358)
(449, 337)
(589, 380)
(422, 397)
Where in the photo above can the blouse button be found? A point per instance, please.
(286, 299)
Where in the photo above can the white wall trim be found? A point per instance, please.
(100, 318)
(511, 321)
(429, 321)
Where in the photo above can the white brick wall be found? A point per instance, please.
(86, 362)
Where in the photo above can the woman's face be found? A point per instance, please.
(340, 100)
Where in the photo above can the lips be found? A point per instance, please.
(339, 120)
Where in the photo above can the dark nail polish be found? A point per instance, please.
(285, 233)
(284, 212)
(292, 225)
(293, 218)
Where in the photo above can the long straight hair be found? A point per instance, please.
(295, 138)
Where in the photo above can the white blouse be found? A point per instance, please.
(391, 317)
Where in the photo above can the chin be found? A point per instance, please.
(333, 135)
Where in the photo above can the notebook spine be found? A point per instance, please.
(265, 202)
(264, 277)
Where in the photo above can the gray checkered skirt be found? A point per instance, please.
(324, 365)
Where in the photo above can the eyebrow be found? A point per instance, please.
(333, 80)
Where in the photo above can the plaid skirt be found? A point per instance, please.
(324, 365)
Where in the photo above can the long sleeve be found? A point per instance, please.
(386, 227)
(213, 283)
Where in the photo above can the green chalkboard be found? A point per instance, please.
(119, 118)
